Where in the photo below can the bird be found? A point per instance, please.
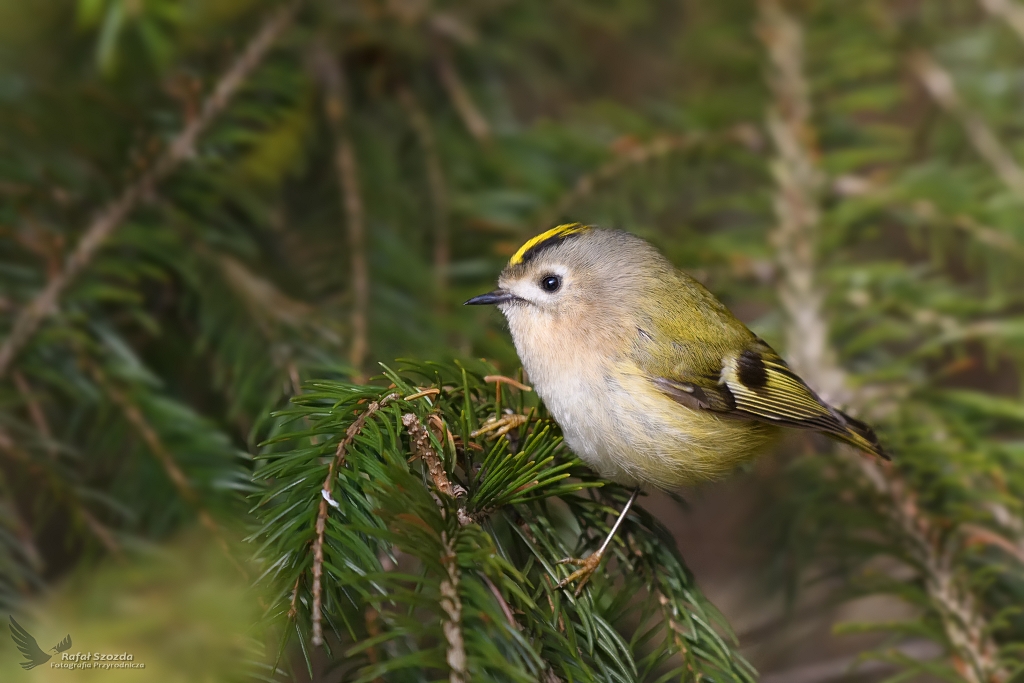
(29, 648)
(652, 380)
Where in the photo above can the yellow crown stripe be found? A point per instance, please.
(560, 232)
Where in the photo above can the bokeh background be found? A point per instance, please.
(204, 203)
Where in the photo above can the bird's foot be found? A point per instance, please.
(587, 566)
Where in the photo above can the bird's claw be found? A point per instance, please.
(587, 566)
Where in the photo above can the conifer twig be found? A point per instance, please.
(452, 606)
(419, 442)
(326, 497)
(626, 158)
(502, 379)
(181, 147)
(940, 85)
(795, 242)
(336, 110)
(1008, 11)
(420, 445)
(985, 234)
(293, 604)
(12, 518)
(421, 126)
(34, 409)
(463, 102)
(925, 210)
(59, 488)
(159, 451)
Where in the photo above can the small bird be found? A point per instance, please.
(650, 377)
(29, 648)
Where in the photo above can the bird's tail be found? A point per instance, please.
(861, 436)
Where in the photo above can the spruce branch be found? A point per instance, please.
(35, 411)
(460, 96)
(984, 234)
(326, 498)
(501, 379)
(626, 158)
(158, 450)
(181, 148)
(941, 87)
(424, 130)
(12, 518)
(466, 583)
(795, 240)
(60, 489)
(421, 448)
(925, 211)
(337, 112)
(1007, 10)
(452, 606)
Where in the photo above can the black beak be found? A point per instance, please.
(498, 296)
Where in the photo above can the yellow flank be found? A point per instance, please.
(554, 233)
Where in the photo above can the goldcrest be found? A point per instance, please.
(652, 380)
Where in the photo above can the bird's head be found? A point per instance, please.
(576, 282)
(574, 269)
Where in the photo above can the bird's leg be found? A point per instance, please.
(588, 565)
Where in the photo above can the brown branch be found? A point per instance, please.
(1008, 11)
(502, 379)
(293, 608)
(452, 606)
(372, 619)
(159, 451)
(940, 85)
(979, 535)
(422, 393)
(421, 448)
(36, 413)
(332, 81)
(989, 236)
(63, 491)
(11, 515)
(670, 615)
(634, 155)
(181, 148)
(463, 102)
(34, 409)
(420, 124)
(925, 210)
(326, 499)
(419, 442)
(100, 531)
(795, 241)
(1006, 519)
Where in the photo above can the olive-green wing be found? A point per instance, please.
(757, 384)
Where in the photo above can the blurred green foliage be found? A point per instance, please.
(473, 126)
(179, 609)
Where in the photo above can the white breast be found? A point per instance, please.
(615, 421)
(572, 380)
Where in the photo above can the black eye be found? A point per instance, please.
(550, 283)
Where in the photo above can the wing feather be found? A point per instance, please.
(757, 384)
